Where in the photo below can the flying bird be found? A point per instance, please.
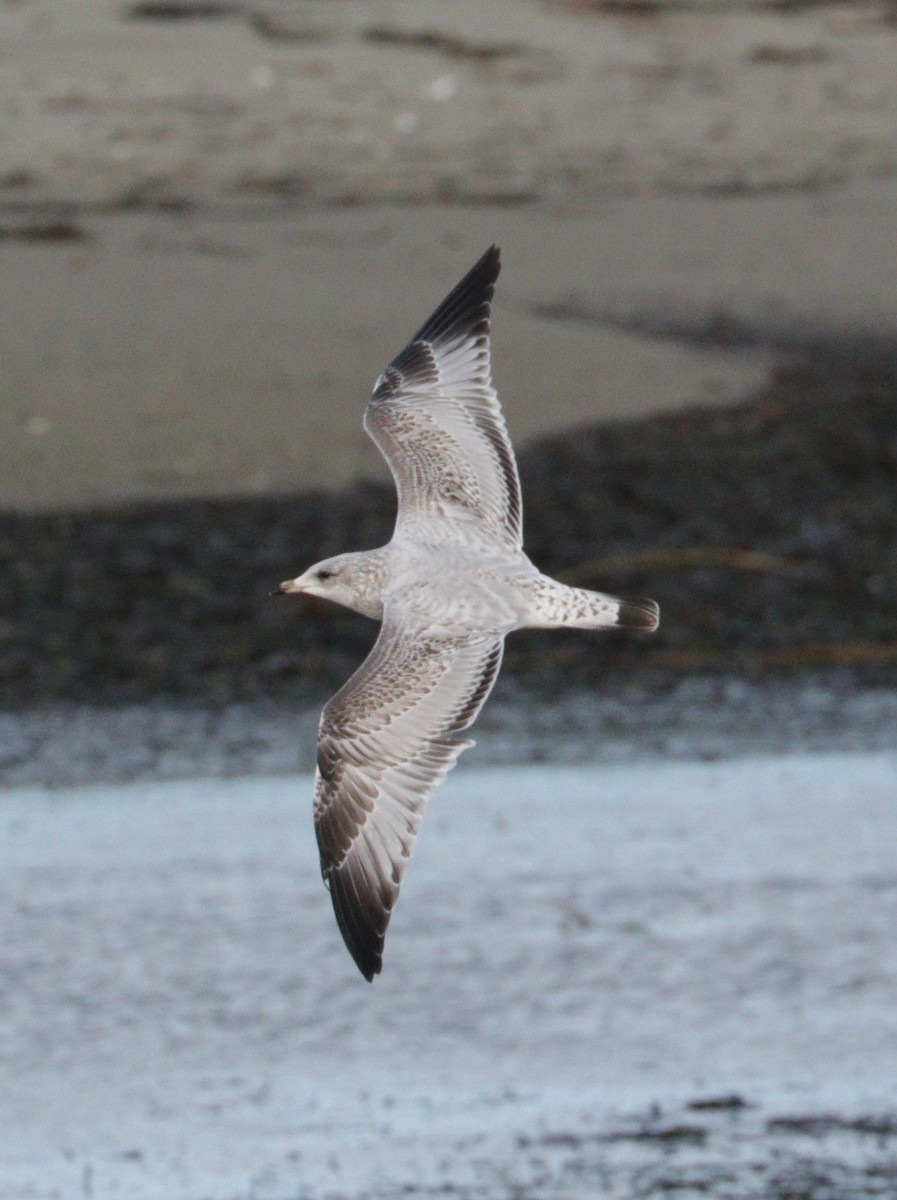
(447, 589)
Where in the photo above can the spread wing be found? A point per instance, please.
(384, 746)
(435, 416)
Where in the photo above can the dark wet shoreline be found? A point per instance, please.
(625, 719)
(767, 533)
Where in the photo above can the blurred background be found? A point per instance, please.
(664, 960)
(218, 221)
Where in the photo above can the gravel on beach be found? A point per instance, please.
(141, 642)
(766, 532)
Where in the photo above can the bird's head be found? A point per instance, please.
(323, 579)
(341, 579)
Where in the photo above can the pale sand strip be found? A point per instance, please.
(721, 169)
(216, 356)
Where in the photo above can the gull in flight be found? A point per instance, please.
(447, 589)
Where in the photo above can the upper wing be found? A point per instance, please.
(384, 746)
(436, 418)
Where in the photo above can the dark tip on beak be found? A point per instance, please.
(280, 590)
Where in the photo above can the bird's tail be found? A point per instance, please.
(554, 605)
(615, 612)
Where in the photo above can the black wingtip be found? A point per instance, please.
(363, 941)
(467, 303)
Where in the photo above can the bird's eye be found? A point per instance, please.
(325, 574)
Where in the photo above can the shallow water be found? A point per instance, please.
(620, 981)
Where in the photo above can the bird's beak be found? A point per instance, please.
(287, 588)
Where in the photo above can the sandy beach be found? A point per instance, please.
(220, 221)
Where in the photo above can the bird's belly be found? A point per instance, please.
(452, 591)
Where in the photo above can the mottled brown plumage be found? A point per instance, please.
(451, 584)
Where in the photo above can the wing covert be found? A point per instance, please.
(436, 419)
(385, 744)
